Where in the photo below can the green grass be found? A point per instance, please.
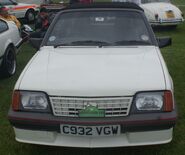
(175, 59)
(178, 2)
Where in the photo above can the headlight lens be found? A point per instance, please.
(34, 100)
(152, 101)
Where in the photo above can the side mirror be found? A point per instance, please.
(27, 28)
(164, 41)
(35, 42)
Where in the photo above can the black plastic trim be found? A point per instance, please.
(112, 6)
(125, 5)
(131, 123)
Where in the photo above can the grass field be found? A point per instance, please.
(175, 59)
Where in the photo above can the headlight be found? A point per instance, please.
(149, 101)
(30, 101)
(153, 101)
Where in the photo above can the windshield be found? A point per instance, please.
(153, 1)
(99, 28)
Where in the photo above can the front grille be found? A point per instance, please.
(70, 107)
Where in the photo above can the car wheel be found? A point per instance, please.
(8, 67)
(30, 16)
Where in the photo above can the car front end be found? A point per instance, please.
(94, 106)
(102, 92)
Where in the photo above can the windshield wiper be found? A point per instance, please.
(84, 42)
(62, 44)
(103, 43)
(131, 42)
(91, 42)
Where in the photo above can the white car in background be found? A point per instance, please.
(21, 10)
(161, 12)
(10, 41)
(35, 1)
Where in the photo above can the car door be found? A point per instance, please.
(3, 36)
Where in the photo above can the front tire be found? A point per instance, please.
(8, 67)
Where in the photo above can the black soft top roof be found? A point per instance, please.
(124, 5)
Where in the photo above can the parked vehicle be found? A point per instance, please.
(35, 1)
(21, 10)
(97, 80)
(10, 41)
(159, 12)
(162, 12)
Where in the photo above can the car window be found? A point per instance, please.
(6, 2)
(94, 27)
(3, 26)
(151, 1)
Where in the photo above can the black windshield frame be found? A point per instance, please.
(57, 17)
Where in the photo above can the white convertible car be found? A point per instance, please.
(21, 10)
(98, 80)
(162, 12)
(10, 40)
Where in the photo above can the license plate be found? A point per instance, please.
(108, 130)
(170, 15)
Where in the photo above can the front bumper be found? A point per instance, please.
(166, 22)
(126, 139)
(136, 129)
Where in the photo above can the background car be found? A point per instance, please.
(10, 41)
(21, 10)
(161, 12)
(35, 1)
